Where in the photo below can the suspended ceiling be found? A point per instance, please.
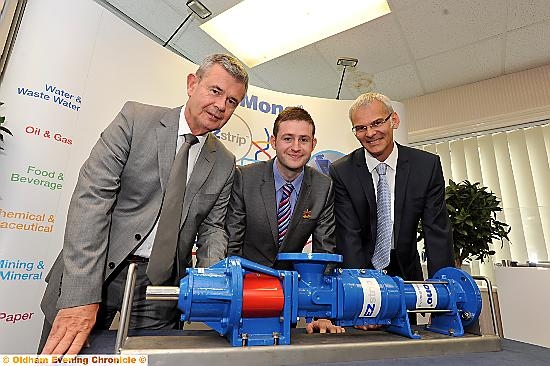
(421, 47)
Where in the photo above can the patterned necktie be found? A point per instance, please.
(161, 261)
(283, 212)
(381, 257)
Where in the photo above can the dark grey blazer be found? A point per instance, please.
(252, 215)
(118, 198)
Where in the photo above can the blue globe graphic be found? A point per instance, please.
(322, 160)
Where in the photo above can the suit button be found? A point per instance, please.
(138, 237)
(111, 265)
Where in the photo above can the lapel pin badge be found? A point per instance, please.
(307, 214)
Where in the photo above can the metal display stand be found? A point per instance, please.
(208, 347)
(354, 345)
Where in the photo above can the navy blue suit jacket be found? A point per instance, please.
(419, 194)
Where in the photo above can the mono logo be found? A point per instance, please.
(236, 136)
(429, 295)
(426, 296)
(253, 102)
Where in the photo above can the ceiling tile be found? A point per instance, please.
(526, 12)
(194, 44)
(345, 94)
(437, 26)
(215, 6)
(528, 47)
(378, 45)
(475, 62)
(258, 79)
(156, 16)
(330, 92)
(358, 81)
(300, 72)
(398, 83)
(402, 4)
(178, 6)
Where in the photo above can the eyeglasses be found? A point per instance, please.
(359, 129)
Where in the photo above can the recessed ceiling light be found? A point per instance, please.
(256, 31)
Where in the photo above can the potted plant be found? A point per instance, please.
(3, 129)
(473, 214)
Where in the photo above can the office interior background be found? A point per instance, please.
(473, 77)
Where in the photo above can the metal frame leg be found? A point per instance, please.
(126, 309)
(491, 302)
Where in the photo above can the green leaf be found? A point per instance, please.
(2, 128)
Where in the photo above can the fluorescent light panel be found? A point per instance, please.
(256, 31)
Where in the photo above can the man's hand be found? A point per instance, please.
(323, 326)
(70, 330)
(369, 327)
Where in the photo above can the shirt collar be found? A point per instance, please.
(183, 127)
(391, 161)
(280, 181)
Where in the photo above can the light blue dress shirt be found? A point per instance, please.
(280, 182)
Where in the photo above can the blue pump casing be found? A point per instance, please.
(346, 296)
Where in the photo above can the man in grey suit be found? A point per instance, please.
(114, 212)
(263, 221)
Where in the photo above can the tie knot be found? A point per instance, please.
(381, 168)
(191, 139)
(288, 188)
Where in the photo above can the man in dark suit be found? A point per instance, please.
(118, 205)
(408, 187)
(276, 205)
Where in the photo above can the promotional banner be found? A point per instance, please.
(73, 66)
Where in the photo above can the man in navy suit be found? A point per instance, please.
(416, 187)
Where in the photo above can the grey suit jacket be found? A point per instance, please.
(252, 215)
(118, 197)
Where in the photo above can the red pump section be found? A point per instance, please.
(262, 296)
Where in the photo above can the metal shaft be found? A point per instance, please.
(426, 282)
(168, 293)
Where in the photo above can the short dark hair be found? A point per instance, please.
(292, 114)
(229, 63)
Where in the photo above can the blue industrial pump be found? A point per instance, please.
(255, 305)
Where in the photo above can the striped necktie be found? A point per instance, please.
(381, 256)
(284, 212)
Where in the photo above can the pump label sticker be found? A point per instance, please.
(426, 296)
(372, 297)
